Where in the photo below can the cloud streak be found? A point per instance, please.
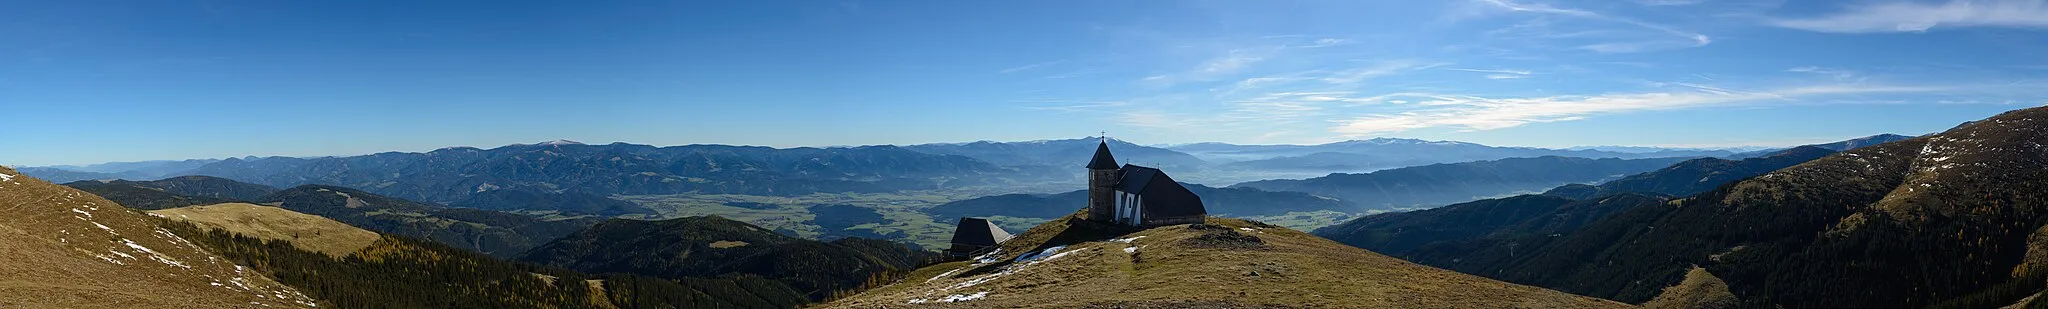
(1672, 37)
(1029, 67)
(1475, 113)
(1921, 17)
(1498, 74)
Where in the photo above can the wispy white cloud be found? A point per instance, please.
(1498, 73)
(1076, 73)
(1072, 106)
(1666, 37)
(1669, 2)
(1837, 74)
(1225, 65)
(1325, 42)
(1474, 113)
(1029, 67)
(1356, 75)
(1900, 16)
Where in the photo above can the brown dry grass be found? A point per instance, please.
(64, 248)
(310, 232)
(1699, 290)
(1177, 266)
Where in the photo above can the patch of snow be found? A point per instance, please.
(1028, 257)
(989, 257)
(1027, 261)
(944, 274)
(82, 212)
(158, 215)
(1126, 240)
(6, 177)
(159, 257)
(1131, 249)
(104, 227)
(961, 298)
(240, 282)
(109, 259)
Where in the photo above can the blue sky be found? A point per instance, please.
(92, 81)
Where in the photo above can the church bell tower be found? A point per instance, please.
(1102, 178)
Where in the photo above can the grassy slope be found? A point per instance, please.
(64, 248)
(313, 233)
(1170, 267)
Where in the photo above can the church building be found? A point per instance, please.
(1137, 196)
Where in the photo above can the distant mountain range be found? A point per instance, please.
(1464, 225)
(1439, 184)
(1696, 175)
(1064, 155)
(140, 170)
(453, 174)
(1219, 201)
(1836, 146)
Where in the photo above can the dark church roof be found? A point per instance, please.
(1163, 196)
(1102, 160)
(979, 232)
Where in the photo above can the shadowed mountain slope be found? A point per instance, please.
(1439, 184)
(1696, 175)
(1944, 219)
(711, 247)
(174, 192)
(490, 232)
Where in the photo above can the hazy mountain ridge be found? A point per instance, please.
(1219, 201)
(1439, 184)
(452, 174)
(142, 196)
(1061, 153)
(1454, 233)
(1697, 175)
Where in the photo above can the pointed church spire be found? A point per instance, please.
(1102, 160)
